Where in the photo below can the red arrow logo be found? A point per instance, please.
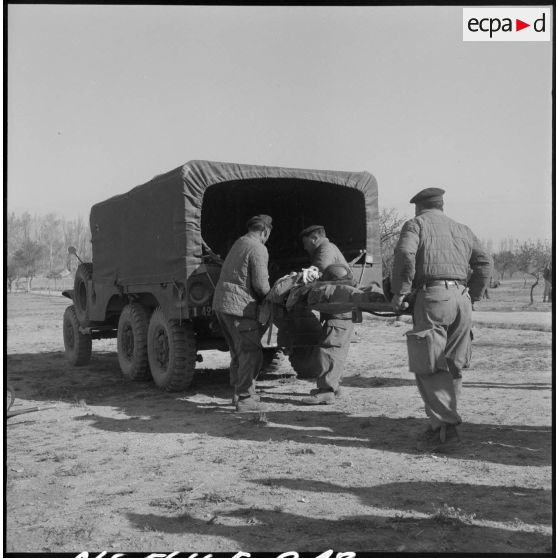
(519, 25)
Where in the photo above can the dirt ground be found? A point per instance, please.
(120, 466)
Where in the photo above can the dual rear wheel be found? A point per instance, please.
(148, 346)
(131, 342)
(171, 350)
(154, 346)
(159, 348)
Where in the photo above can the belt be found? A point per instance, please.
(443, 283)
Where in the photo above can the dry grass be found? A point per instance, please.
(449, 515)
(514, 296)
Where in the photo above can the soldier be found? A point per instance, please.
(432, 259)
(329, 356)
(242, 286)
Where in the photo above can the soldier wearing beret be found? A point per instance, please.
(330, 355)
(432, 259)
(242, 285)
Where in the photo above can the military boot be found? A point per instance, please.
(247, 404)
(236, 397)
(445, 438)
(338, 392)
(320, 398)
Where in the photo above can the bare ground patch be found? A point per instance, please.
(121, 465)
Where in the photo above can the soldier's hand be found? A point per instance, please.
(398, 303)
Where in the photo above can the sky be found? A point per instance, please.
(103, 98)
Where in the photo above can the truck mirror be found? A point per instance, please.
(73, 252)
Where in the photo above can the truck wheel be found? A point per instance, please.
(131, 342)
(171, 349)
(273, 361)
(77, 346)
(84, 273)
(301, 360)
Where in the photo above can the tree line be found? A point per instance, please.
(533, 258)
(38, 245)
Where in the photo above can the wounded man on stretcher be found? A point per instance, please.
(334, 292)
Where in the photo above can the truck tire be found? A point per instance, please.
(77, 346)
(301, 360)
(131, 342)
(274, 360)
(171, 349)
(84, 273)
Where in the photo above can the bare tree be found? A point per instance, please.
(50, 232)
(390, 227)
(19, 231)
(505, 261)
(27, 261)
(532, 257)
(11, 274)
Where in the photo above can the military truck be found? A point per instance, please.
(155, 261)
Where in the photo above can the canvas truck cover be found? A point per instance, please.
(153, 233)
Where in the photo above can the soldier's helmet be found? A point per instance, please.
(337, 272)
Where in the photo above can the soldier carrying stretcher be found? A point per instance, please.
(330, 354)
(242, 286)
(432, 260)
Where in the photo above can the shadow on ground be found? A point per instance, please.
(47, 377)
(440, 531)
(490, 503)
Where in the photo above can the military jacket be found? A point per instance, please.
(244, 279)
(432, 246)
(327, 253)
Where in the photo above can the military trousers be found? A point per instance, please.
(439, 347)
(243, 336)
(330, 355)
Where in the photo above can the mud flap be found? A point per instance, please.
(426, 351)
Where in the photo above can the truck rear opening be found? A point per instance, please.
(293, 204)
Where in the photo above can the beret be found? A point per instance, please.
(311, 229)
(259, 219)
(428, 194)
